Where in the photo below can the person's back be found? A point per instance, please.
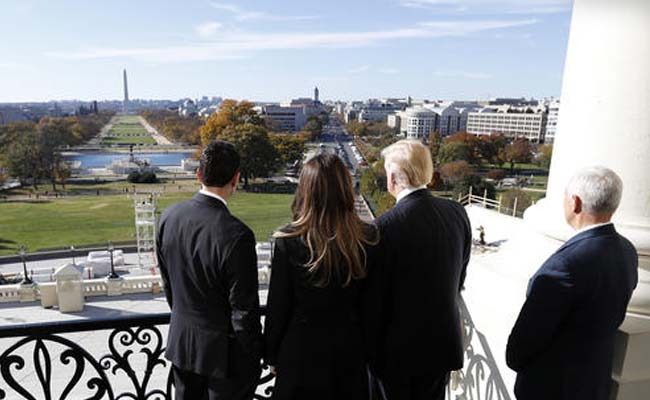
(562, 343)
(426, 243)
(313, 328)
(412, 301)
(208, 263)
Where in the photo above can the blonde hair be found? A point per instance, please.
(325, 218)
(410, 162)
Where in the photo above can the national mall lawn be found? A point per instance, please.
(96, 213)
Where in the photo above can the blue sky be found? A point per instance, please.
(278, 49)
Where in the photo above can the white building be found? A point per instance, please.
(551, 123)
(285, 119)
(512, 122)
(448, 120)
(416, 122)
(188, 108)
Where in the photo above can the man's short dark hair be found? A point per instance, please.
(219, 162)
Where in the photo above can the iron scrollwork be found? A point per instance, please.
(64, 370)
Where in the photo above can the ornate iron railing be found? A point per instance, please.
(44, 364)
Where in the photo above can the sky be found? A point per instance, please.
(273, 50)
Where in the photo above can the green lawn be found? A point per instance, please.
(87, 220)
(127, 119)
(128, 130)
(128, 140)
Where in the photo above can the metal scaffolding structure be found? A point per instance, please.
(145, 228)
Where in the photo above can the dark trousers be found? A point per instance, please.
(427, 387)
(190, 386)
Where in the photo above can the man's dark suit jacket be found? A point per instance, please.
(411, 305)
(208, 263)
(562, 343)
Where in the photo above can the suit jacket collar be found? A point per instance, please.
(208, 200)
(414, 196)
(590, 233)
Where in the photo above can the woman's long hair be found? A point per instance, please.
(325, 218)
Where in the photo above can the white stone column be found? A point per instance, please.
(604, 120)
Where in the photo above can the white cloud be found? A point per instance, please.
(244, 15)
(360, 69)
(208, 29)
(237, 45)
(494, 6)
(463, 75)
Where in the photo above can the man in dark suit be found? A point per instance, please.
(411, 305)
(562, 343)
(208, 263)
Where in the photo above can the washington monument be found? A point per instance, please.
(125, 102)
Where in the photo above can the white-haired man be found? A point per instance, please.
(415, 338)
(562, 343)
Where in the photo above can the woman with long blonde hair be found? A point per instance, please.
(312, 329)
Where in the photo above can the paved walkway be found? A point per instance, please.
(160, 139)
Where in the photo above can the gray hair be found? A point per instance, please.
(599, 188)
(410, 162)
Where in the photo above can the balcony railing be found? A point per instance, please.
(48, 361)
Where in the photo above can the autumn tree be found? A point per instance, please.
(231, 113)
(435, 141)
(543, 156)
(455, 171)
(454, 151)
(290, 148)
(519, 151)
(258, 156)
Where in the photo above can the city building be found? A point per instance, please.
(512, 122)
(283, 119)
(414, 122)
(377, 110)
(447, 121)
(188, 108)
(551, 122)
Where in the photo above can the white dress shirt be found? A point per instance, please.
(594, 226)
(216, 196)
(405, 192)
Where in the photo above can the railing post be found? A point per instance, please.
(484, 198)
(499, 206)
(514, 207)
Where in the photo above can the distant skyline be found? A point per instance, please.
(265, 50)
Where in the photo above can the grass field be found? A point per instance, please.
(128, 140)
(127, 129)
(86, 220)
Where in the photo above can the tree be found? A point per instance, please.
(454, 151)
(543, 156)
(479, 186)
(231, 113)
(519, 151)
(489, 147)
(290, 148)
(258, 156)
(435, 141)
(455, 171)
(23, 159)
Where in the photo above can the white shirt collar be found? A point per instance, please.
(216, 196)
(405, 192)
(590, 227)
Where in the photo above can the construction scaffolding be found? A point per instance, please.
(145, 228)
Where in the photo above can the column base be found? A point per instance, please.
(630, 367)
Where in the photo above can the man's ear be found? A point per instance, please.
(577, 204)
(235, 179)
(199, 177)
